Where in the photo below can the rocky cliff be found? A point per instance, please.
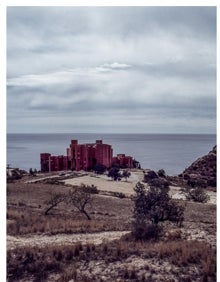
(202, 171)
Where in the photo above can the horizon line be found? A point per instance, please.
(152, 133)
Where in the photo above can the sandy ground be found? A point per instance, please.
(104, 183)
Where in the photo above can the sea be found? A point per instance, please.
(171, 152)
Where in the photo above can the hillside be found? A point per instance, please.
(203, 170)
(64, 246)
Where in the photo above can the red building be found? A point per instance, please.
(84, 157)
(123, 161)
(53, 163)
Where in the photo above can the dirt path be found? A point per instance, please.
(63, 239)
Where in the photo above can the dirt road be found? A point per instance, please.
(61, 239)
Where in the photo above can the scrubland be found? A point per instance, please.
(65, 246)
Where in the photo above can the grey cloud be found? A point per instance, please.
(119, 21)
(157, 35)
(143, 66)
(180, 68)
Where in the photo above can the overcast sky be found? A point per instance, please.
(111, 69)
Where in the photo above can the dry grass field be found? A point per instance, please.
(65, 246)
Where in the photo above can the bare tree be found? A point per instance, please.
(54, 200)
(81, 198)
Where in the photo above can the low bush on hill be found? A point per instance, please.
(152, 207)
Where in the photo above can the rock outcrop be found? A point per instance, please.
(203, 171)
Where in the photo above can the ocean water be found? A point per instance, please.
(172, 152)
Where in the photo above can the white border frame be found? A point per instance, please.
(3, 65)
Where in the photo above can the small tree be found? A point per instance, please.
(126, 174)
(54, 200)
(161, 173)
(136, 164)
(114, 173)
(81, 198)
(152, 206)
(159, 183)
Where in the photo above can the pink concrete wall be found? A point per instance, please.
(84, 157)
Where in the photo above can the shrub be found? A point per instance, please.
(118, 194)
(196, 194)
(143, 230)
(126, 174)
(114, 173)
(159, 183)
(161, 173)
(196, 183)
(149, 175)
(90, 189)
(153, 206)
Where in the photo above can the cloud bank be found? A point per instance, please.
(111, 69)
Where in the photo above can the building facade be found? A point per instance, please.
(84, 157)
(53, 163)
(122, 161)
